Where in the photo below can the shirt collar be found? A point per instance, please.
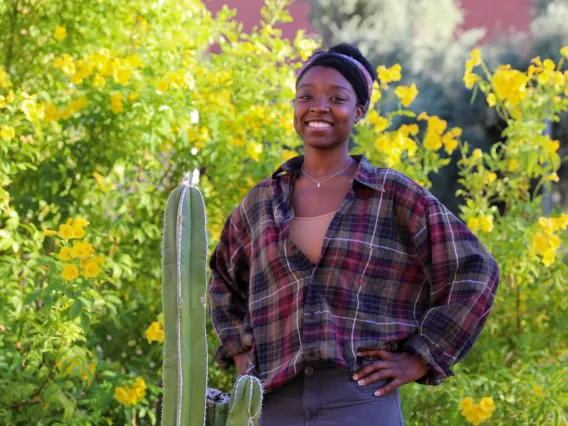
(366, 173)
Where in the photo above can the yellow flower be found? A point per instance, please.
(509, 85)
(512, 165)
(287, 155)
(65, 231)
(78, 225)
(82, 250)
(90, 269)
(548, 257)
(553, 146)
(564, 52)
(98, 81)
(466, 403)
(546, 225)
(477, 154)
(64, 254)
(469, 79)
(5, 82)
(70, 272)
(116, 105)
(60, 33)
(3, 103)
(99, 260)
(486, 223)
(31, 110)
(450, 144)
(491, 100)
(124, 395)
(7, 133)
(49, 233)
(389, 75)
(561, 222)
(376, 96)
(380, 123)
(139, 387)
(489, 178)
(553, 177)
(538, 391)
(407, 94)
(76, 78)
(254, 149)
(155, 332)
(473, 224)
(51, 113)
(423, 116)
(475, 55)
(163, 86)
(133, 96)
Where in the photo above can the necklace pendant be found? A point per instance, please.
(319, 185)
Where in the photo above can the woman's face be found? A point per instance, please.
(325, 108)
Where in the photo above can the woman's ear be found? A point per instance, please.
(359, 113)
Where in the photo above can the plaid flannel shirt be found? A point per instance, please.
(398, 271)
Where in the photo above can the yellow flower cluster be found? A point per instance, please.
(5, 82)
(51, 112)
(100, 65)
(389, 75)
(477, 413)
(469, 78)
(7, 133)
(545, 241)
(407, 94)
(547, 74)
(394, 144)
(155, 332)
(510, 85)
(81, 251)
(485, 223)
(435, 137)
(60, 33)
(131, 395)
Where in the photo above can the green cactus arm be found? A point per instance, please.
(183, 299)
(246, 402)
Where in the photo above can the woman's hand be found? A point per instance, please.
(401, 367)
(242, 362)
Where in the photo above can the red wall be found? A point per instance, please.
(496, 15)
(249, 14)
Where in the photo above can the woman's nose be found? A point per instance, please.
(319, 106)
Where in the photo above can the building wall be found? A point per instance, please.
(498, 16)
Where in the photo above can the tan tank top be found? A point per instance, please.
(308, 234)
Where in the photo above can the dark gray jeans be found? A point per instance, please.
(323, 395)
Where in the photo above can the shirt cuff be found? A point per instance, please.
(438, 371)
(226, 352)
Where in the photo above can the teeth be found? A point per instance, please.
(318, 124)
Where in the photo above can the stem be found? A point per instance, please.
(519, 309)
(13, 21)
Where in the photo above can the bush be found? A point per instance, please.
(106, 107)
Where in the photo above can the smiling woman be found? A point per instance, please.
(337, 282)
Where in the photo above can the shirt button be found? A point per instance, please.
(309, 370)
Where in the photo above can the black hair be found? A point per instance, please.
(347, 68)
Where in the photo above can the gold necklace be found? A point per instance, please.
(332, 176)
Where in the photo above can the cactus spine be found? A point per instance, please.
(183, 300)
(246, 402)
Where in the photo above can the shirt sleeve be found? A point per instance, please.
(461, 278)
(228, 291)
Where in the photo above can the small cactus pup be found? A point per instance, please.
(246, 402)
(183, 299)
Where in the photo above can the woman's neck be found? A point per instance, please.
(321, 162)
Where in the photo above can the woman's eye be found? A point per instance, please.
(337, 99)
(303, 97)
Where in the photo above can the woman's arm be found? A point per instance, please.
(228, 291)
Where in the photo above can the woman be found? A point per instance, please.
(336, 282)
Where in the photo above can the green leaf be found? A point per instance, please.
(32, 297)
(75, 309)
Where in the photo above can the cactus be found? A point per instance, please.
(183, 300)
(186, 399)
(246, 402)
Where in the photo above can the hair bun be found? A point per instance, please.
(351, 50)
